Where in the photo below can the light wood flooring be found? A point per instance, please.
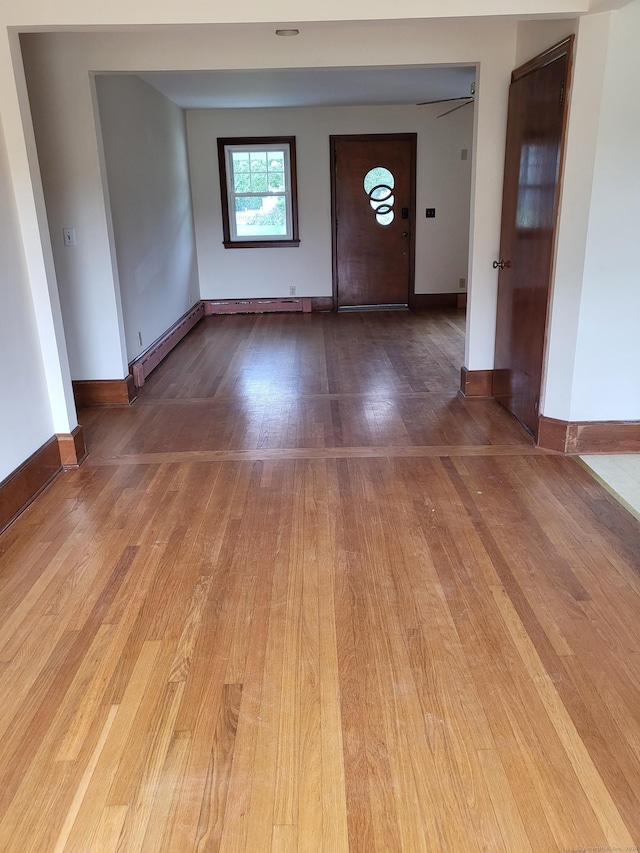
(304, 597)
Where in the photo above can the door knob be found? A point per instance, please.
(405, 233)
(501, 264)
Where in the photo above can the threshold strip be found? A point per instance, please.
(394, 306)
(255, 455)
(271, 398)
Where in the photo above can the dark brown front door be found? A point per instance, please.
(373, 194)
(535, 133)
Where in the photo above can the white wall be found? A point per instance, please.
(575, 202)
(536, 36)
(593, 345)
(25, 420)
(33, 239)
(146, 164)
(61, 96)
(59, 66)
(443, 182)
(605, 384)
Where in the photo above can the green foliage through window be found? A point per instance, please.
(258, 171)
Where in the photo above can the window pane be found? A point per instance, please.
(276, 181)
(248, 203)
(379, 176)
(241, 182)
(380, 193)
(275, 165)
(258, 161)
(241, 173)
(378, 185)
(258, 182)
(276, 160)
(241, 160)
(383, 206)
(264, 217)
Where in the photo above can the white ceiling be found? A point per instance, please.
(304, 87)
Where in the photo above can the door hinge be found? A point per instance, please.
(536, 406)
(562, 91)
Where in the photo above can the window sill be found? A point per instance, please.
(261, 244)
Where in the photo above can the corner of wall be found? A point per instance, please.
(573, 217)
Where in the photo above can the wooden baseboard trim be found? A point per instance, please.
(257, 306)
(476, 383)
(552, 434)
(142, 365)
(22, 486)
(322, 303)
(104, 392)
(574, 437)
(73, 450)
(422, 301)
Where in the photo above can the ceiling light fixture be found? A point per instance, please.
(287, 32)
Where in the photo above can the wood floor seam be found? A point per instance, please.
(313, 453)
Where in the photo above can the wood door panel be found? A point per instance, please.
(535, 133)
(373, 261)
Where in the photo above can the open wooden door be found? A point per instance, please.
(373, 208)
(535, 137)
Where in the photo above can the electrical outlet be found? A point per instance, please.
(430, 213)
(292, 290)
(140, 338)
(462, 283)
(69, 236)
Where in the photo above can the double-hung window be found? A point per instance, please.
(258, 189)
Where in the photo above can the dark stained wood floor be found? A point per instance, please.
(302, 596)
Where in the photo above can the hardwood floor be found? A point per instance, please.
(302, 596)
(286, 383)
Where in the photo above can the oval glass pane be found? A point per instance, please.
(387, 204)
(378, 176)
(381, 193)
(385, 218)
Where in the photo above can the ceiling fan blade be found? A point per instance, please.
(459, 107)
(445, 100)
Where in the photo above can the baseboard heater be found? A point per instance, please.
(256, 306)
(142, 366)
